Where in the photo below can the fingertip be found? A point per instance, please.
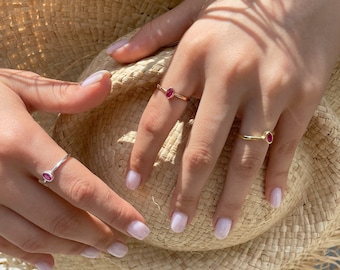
(133, 180)
(276, 197)
(44, 265)
(96, 78)
(115, 46)
(222, 228)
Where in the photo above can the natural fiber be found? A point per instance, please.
(263, 238)
(59, 39)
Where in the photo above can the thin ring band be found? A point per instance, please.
(48, 175)
(267, 136)
(170, 93)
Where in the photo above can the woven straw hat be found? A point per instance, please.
(263, 238)
(59, 39)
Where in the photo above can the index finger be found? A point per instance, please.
(80, 187)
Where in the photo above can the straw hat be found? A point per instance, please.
(263, 238)
(306, 224)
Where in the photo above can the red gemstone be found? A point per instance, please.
(269, 137)
(47, 176)
(170, 93)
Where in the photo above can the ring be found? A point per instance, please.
(267, 136)
(48, 175)
(170, 93)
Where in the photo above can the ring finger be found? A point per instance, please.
(248, 154)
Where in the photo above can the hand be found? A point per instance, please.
(264, 62)
(76, 213)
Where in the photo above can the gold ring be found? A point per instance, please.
(170, 93)
(267, 136)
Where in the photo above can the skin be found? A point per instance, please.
(265, 63)
(75, 213)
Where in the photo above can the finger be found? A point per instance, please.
(45, 94)
(203, 148)
(288, 133)
(32, 239)
(76, 184)
(157, 120)
(245, 162)
(40, 260)
(160, 115)
(41, 207)
(162, 31)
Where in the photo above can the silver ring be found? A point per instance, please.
(48, 175)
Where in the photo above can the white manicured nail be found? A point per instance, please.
(133, 180)
(43, 266)
(95, 77)
(222, 228)
(118, 250)
(276, 197)
(116, 46)
(138, 230)
(90, 253)
(178, 222)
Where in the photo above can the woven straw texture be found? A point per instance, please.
(264, 238)
(59, 39)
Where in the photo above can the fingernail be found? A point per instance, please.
(90, 253)
(222, 228)
(43, 266)
(133, 180)
(118, 250)
(276, 197)
(178, 222)
(110, 50)
(138, 230)
(95, 77)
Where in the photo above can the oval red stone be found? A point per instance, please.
(269, 137)
(169, 93)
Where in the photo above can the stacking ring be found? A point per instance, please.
(267, 136)
(48, 176)
(170, 93)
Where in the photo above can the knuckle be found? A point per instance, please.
(231, 208)
(33, 244)
(11, 139)
(65, 226)
(198, 158)
(151, 123)
(103, 242)
(247, 166)
(187, 201)
(82, 192)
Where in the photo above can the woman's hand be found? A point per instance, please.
(76, 213)
(264, 62)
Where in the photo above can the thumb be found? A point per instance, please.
(165, 30)
(43, 94)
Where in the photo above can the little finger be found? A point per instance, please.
(40, 260)
(32, 239)
(289, 131)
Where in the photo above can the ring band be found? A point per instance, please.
(170, 93)
(267, 136)
(47, 176)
